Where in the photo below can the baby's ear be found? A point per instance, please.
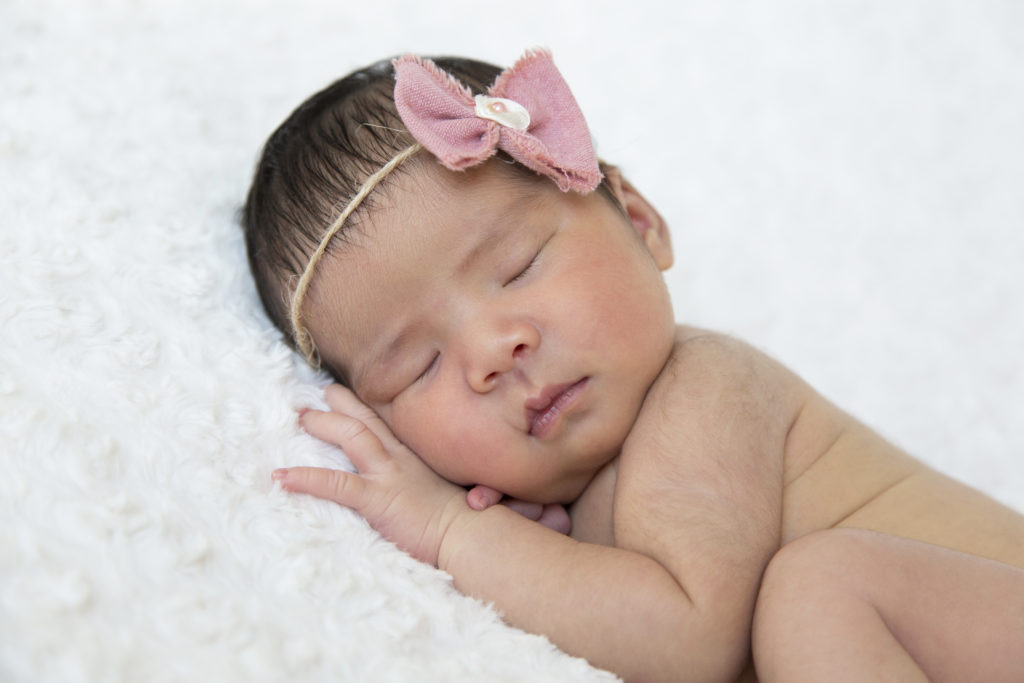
(644, 217)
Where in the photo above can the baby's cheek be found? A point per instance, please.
(441, 441)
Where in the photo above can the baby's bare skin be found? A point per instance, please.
(836, 473)
(693, 462)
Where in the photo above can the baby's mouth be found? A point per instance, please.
(543, 411)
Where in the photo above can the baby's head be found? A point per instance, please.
(502, 310)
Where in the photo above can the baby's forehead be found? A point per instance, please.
(469, 200)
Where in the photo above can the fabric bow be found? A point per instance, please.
(529, 113)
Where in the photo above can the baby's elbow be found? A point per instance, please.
(678, 635)
(708, 667)
(718, 658)
(694, 647)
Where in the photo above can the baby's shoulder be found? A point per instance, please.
(719, 349)
(714, 385)
(717, 362)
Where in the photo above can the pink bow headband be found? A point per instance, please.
(528, 112)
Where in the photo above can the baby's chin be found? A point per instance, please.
(562, 491)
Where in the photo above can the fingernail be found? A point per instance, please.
(279, 475)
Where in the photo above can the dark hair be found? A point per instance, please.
(317, 160)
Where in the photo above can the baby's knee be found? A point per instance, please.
(821, 558)
(807, 575)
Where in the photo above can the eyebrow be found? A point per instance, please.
(381, 358)
(492, 238)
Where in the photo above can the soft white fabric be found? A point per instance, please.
(844, 181)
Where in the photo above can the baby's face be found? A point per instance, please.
(505, 331)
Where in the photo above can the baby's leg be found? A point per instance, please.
(855, 605)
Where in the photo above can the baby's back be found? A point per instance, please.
(840, 473)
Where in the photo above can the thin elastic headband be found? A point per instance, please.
(529, 113)
(303, 339)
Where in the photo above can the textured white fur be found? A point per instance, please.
(844, 180)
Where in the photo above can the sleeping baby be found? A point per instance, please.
(441, 237)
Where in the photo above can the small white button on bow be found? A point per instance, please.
(508, 113)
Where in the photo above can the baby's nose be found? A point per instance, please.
(498, 351)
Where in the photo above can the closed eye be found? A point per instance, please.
(533, 262)
(430, 366)
(522, 273)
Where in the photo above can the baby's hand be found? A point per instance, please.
(552, 515)
(394, 490)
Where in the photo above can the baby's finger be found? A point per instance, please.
(360, 444)
(339, 486)
(529, 510)
(556, 517)
(481, 497)
(343, 400)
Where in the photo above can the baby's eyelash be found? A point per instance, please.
(533, 262)
(522, 273)
(430, 366)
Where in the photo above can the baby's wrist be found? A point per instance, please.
(457, 521)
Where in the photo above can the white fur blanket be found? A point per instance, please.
(844, 181)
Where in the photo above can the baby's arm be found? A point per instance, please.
(580, 595)
(700, 479)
